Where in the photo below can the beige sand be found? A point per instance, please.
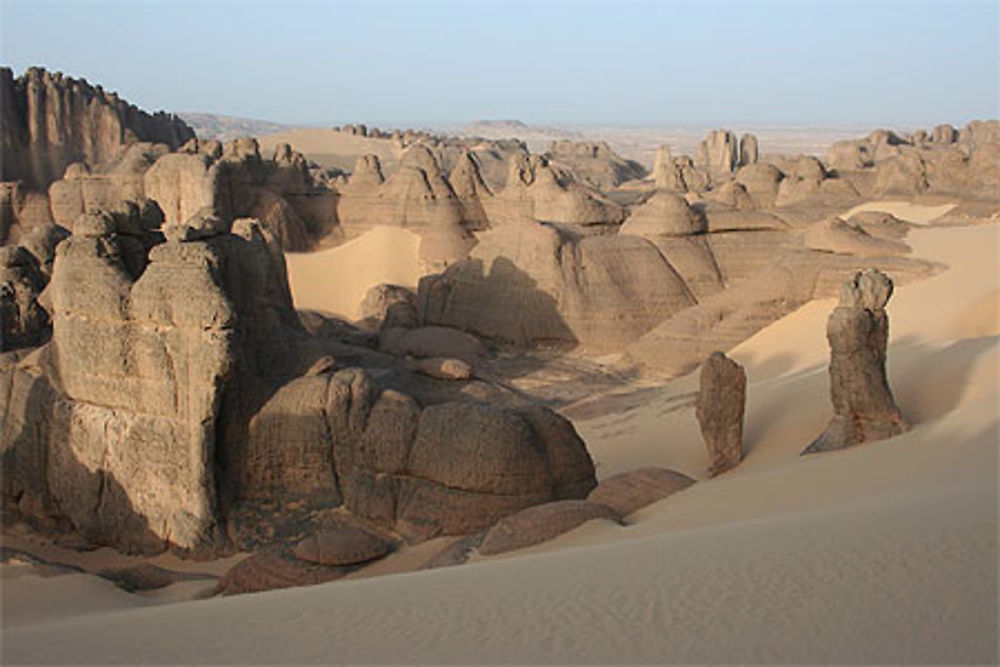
(335, 280)
(885, 553)
(329, 148)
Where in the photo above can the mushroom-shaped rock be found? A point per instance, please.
(720, 406)
(345, 545)
(858, 330)
(630, 491)
(542, 523)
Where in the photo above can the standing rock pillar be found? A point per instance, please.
(858, 330)
(721, 402)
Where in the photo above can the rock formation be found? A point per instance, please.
(525, 284)
(858, 331)
(667, 174)
(50, 121)
(594, 163)
(537, 190)
(180, 396)
(748, 150)
(720, 406)
(718, 154)
(233, 180)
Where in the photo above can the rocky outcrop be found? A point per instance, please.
(594, 163)
(23, 321)
(232, 181)
(836, 235)
(719, 409)
(718, 154)
(665, 213)
(858, 331)
(528, 283)
(748, 150)
(173, 407)
(417, 196)
(539, 191)
(49, 121)
(667, 174)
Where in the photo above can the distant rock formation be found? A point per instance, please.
(719, 409)
(594, 163)
(858, 331)
(525, 284)
(537, 190)
(233, 180)
(416, 196)
(667, 174)
(49, 121)
(964, 163)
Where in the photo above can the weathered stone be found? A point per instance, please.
(542, 523)
(858, 331)
(630, 491)
(275, 567)
(345, 545)
(720, 406)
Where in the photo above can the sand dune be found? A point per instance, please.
(336, 280)
(784, 559)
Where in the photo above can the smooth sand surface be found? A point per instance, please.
(330, 148)
(335, 280)
(885, 553)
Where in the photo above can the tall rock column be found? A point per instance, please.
(858, 331)
(720, 407)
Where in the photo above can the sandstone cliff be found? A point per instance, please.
(49, 121)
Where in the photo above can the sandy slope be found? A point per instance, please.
(882, 553)
(330, 148)
(336, 280)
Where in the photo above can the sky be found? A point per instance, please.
(896, 63)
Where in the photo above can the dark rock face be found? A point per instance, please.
(721, 402)
(50, 121)
(858, 330)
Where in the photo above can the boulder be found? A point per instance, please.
(275, 567)
(346, 545)
(542, 523)
(630, 491)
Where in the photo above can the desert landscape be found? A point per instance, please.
(493, 392)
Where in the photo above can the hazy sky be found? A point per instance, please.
(641, 63)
